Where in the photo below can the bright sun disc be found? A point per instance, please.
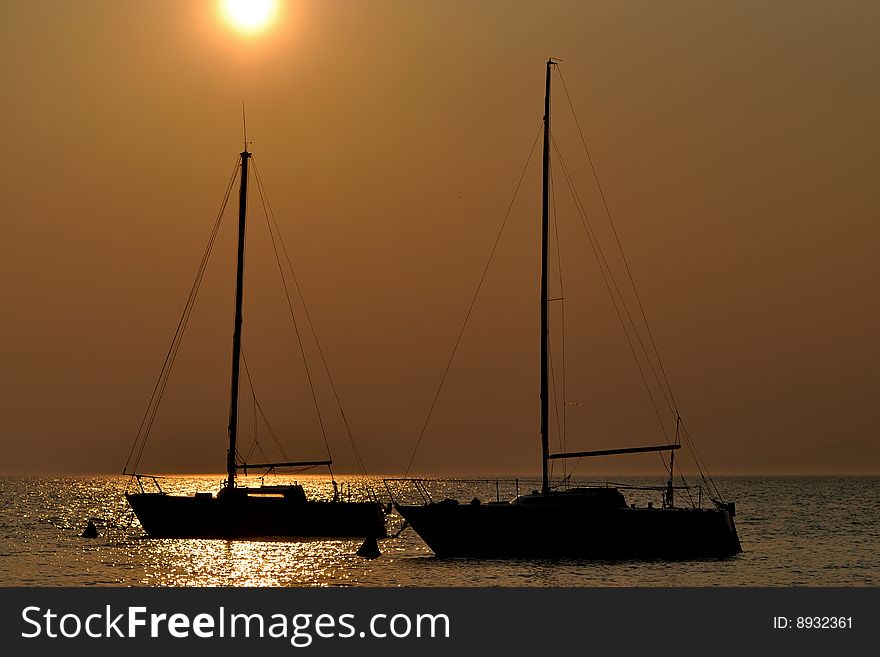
(249, 15)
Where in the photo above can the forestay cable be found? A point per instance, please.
(471, 306)
(146, 425)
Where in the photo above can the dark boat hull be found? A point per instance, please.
(254, 516)
(518, 531)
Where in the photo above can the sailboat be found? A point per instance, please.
(576, 522)
(248, 512)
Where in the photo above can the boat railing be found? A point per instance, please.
(405, 489)
(140, 477)
(689, 490)
(425, 490)
(331, 489)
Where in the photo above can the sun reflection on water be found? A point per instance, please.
(251, 563)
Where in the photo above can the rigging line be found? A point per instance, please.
(161, 392)
(141, 437)
(351, 439)
(258, 407)
(555, 406)
(596, 249)
(473, 302)
(349, 433)
(255, 445)
(701, 465)
(167, 373)
(271, 430)
(593, 240)
(635, 329)
(295, 323)
(617, 239)
(256, 416)
(180, 326)
(178, 338)
(687, 489)
(698, 460)
(693, 447)
(256, 439)
(256, 422)
(598, 252)
(262, 453)
(555, 217)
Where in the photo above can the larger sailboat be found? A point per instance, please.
(590, 521)
(246, 512)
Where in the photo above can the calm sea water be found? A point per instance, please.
(796, 531)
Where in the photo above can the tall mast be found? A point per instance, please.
(236, 333)
(545, 252)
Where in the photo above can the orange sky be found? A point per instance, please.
(737, 145)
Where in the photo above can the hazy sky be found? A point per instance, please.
(738, 148)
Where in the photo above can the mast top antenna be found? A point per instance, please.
(244, 127)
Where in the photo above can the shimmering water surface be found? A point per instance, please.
(796, 531)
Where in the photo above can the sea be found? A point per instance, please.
(795, 531)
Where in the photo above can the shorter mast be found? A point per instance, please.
(236, 333)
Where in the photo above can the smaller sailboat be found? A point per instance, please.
(248, 512)
(577, 522)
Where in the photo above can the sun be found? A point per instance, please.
(249, 15)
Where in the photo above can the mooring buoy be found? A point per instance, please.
(369, 549)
